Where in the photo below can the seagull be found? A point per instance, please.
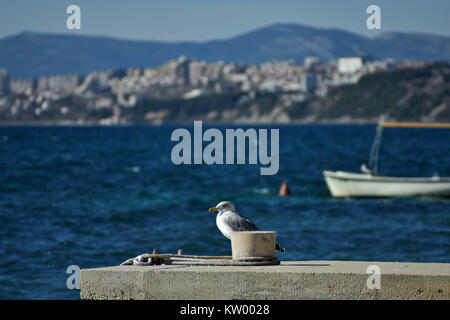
(229, 221)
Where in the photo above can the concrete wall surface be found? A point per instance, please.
(289, 280)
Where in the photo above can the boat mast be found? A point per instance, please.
(375, 150)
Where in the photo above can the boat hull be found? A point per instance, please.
(346, 184)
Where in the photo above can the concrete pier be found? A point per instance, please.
(289, 280)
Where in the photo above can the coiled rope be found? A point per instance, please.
(169, 259)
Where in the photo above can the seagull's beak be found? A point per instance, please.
(213, 209)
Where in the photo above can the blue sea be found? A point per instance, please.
(96, 196)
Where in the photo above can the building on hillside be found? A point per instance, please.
(311, 61)
(24, 86)
(308, 81)
(5, 80)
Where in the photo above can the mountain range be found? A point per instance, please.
(32, 54)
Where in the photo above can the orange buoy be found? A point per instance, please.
(284, 190)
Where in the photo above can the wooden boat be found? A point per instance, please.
(370, 184)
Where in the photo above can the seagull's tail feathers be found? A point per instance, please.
(279, 248)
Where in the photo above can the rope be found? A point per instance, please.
(217, 261)
(147, 260)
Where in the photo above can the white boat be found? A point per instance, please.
(346, 184)
(370, 184)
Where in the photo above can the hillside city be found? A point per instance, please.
(119, 89)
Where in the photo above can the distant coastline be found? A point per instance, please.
(273, 93)
(96, 124)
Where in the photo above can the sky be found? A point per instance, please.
(202, 20)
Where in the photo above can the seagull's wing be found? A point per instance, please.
(238, 223)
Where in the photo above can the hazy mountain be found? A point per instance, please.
(35, 54)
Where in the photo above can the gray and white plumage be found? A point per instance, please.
(228, 221)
